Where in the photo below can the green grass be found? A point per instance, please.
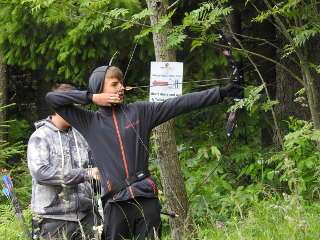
(266, 220)
(282, 219)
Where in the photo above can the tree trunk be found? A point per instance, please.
(171, 175)
(268, 70)
(312, 94)
(313, 80)
(287, 88)
(3, 95)
(309, 81)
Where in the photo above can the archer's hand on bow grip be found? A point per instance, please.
(232, 90)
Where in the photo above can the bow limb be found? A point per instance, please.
(236, 77)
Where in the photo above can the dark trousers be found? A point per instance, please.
(136, 219)
(52, 229)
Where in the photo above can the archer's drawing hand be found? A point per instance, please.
(232, 90)
(106, 99)
(94, 173)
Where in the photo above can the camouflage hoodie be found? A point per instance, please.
(57, 161)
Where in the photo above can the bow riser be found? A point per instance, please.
(236, 77)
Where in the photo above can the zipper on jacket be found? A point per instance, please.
(124, 159)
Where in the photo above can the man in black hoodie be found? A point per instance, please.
(118, 135)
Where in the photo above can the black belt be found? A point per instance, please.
(136, 178)
(127, 183)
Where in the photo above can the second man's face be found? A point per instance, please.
(115, 86)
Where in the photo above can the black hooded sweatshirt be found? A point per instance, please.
(119, 135)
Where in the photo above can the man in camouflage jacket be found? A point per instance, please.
(58, 159)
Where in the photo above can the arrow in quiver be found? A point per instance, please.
(8, 192)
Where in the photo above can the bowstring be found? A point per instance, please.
(125, 114)
(121, 106)
(93, 201)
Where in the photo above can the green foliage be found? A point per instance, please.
(10, 227)
(136, 18)
(288, 8)
(252, 101)
(164, 21)
(19, 130)
(233, 190)
(12, 164)
(302, 23)
(248, 187)
(304, 34)
(241, 195)
(68, 38)
(252, 96)
(176, 37)
(22, 184)
(201, 22)
(298, 164)
(204, 18)
(8, 150)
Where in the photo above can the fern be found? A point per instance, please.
(136, 18)
(10, 227)
(253, 95)
(289, 8)
(143, 34)
(176, 37)
(205, 17)
(302, 35)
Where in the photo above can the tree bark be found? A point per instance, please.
(3, 95)
(287, 87)
(313, 80)
(312, 93)
(171, 175)
(303, 54)
(268, 70)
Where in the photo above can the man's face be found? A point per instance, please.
(114, 85)
(60, 122)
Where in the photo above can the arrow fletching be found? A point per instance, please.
(6, 192)
(7, 182)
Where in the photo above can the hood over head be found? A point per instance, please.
(47, 122)
(96, 79)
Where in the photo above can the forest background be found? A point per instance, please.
(263, 183)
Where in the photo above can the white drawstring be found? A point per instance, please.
(78, 150)
(62, 155)
(62, 164)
